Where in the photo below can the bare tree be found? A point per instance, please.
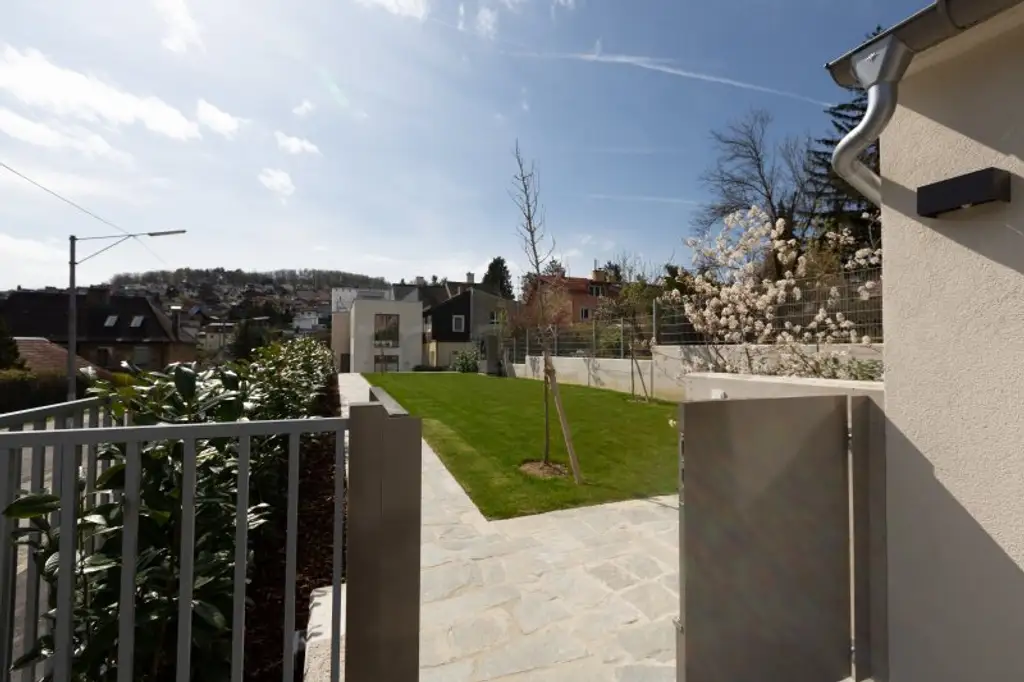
(543, 298)
(751, 170)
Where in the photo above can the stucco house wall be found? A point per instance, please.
(410, 323)
(954, 385)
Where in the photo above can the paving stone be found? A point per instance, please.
(611, 575)
(642, 566)
(652, 599)
(487, 630)
(447, 612)
(575, 586)
(441, 582)
(671, 581)
(530, 652)
(646, 673)
(459, 671)
(648, 640)
(590, 669)
(605, 618)
(534, 611)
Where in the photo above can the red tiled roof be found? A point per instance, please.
(44, 357)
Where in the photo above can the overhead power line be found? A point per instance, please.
(79, 207)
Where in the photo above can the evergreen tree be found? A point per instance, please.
(9, 356)
(498, 278)
(839, 204)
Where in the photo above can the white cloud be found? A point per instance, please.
(278, 182)
(513, 5)
(462, 17)
(567, 4)
(304, 109)
(16, 249)
(220, 122)
(524, 103)
(487, 22)
(36, 82)
(182, 29)
(417, 9)
(294, 145)
(53, 137)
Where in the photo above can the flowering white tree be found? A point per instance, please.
(736, 310)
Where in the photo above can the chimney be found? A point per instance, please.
(598, 275)
(470, 278)
(420, 282)
(97, 296)
(176, 321)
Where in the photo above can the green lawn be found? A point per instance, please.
(484, 428)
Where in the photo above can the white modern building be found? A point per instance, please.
(372, 332)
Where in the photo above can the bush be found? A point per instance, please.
(24, 390)
(283, 381)
(466, 361)
(429, 368)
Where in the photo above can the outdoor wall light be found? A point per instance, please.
(980, 187)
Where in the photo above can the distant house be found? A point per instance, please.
(111, 327)
(583, 294)
(459, 324)
(383, 329)
(45, 357)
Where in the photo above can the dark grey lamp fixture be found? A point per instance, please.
(973, 189)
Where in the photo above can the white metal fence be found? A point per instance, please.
(56, 448)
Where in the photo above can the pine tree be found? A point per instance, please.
(9, 356)
(498, 278)
(840, 205)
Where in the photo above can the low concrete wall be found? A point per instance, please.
(662, 375)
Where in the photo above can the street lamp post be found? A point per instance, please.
(73, 292)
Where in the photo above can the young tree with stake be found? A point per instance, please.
(544, 299)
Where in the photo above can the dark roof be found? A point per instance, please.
(44, 357)
(435, 294)
(102, 317)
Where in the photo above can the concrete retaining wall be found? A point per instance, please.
(662, 375)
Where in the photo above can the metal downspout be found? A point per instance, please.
(878, 69)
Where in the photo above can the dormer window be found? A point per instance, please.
(110, 321)
(596, 290)
(137, 321)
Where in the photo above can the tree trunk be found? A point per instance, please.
(547, 420)
(563, 420)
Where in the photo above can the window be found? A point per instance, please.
(103, 356)
(584, 313)
(494, 317)
(385, 331)
(111, 321)
(596, 290)
(385, 363)
(141, 356)
(137, 321)
(458, 323)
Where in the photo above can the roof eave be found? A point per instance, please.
(926, 28)
(935, 24)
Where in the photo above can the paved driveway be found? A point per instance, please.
(585, 595)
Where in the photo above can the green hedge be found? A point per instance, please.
(23, 390)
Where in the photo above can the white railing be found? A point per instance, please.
(61, 450)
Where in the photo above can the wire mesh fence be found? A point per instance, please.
(854, 296)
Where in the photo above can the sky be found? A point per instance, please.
(376, 136)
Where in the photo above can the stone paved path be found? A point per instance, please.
(582, 595)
